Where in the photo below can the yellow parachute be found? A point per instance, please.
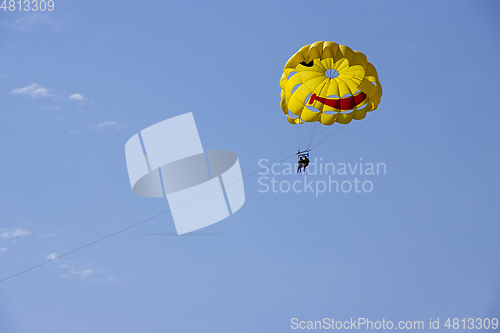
(328, 83)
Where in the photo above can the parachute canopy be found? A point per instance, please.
(328, 83)
(325, 83)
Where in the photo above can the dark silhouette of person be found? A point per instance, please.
(305, 163)
(301, 164)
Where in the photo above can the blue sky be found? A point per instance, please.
(78, 82)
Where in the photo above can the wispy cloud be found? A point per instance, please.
(51, 256)
(32, 20)
(3, 249)
(11, 233)
(47, 235)
(107, 125)
(87, 273)
(76, 97)
(50, 107)
(34, 90)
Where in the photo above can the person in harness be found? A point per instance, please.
(305, 162)
(301, 164)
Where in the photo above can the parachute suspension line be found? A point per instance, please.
(310, 134)
(326, 131)
(310, 130)
(314, 131)
(315, 134)
(303, 136)
(299, 129)
(328, 136)
(319, 130)
(296, 134)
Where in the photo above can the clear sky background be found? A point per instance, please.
(78, 82)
